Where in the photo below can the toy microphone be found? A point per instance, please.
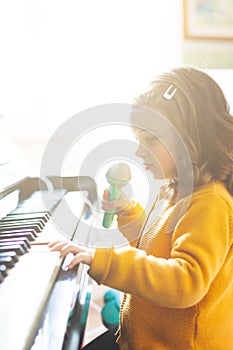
(117, 176)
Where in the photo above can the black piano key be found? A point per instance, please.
(13, 220)
(1, 278)
(23, 216)
(7, 220)
(18, 240)
(25, 232)
(24, 226)
(27, 235)
(14, 247)
(3, 270)
(12, 254)
(23, 222)
(29, 213)
(7, 261)
(28, 210)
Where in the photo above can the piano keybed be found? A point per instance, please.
(21, 227)
(32, 281)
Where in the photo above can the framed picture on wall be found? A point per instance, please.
(208, 19)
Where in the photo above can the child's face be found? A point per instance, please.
(157, 159)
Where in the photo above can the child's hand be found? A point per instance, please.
(80, 254)
(119, 206)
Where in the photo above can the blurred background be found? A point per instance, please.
(60, 57)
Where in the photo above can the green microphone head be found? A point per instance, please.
(118, 175)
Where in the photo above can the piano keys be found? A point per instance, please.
(42, 306)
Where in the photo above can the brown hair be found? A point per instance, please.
(200, 113)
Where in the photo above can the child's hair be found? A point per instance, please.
(197, 108)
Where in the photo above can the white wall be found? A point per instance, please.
(59, 57)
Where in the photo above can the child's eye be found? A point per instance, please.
(151, 139)
(147, 139)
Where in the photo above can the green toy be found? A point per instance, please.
(111, 310)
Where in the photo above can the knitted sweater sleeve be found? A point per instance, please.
(130, 223)
(200, 244)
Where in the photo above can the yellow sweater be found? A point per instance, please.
(178, 286)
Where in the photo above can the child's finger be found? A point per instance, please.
(70, 248)
(58, 245)
(83, 257)
(52, 244)
(105, 195)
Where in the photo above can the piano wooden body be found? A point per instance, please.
(42, 306)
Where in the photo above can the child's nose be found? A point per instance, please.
(141, 151)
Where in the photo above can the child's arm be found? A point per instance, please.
(130, 222)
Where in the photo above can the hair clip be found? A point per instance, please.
(168, 94)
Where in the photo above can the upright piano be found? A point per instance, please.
(42, 306)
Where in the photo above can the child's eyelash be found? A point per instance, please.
(152, 138)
